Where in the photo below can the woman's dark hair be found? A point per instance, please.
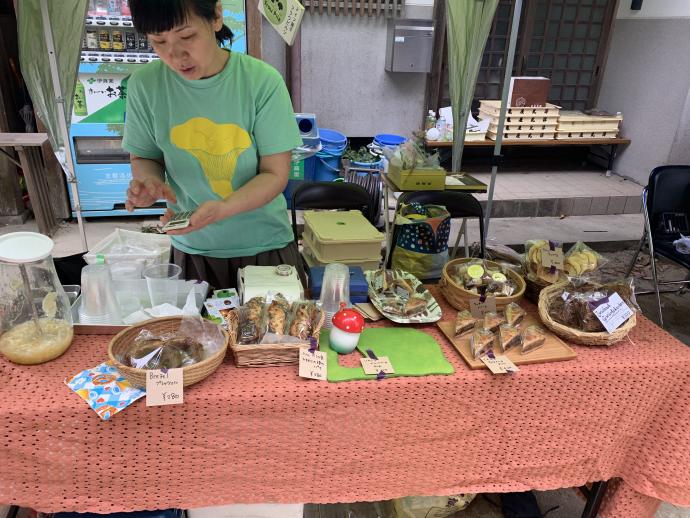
(151, 16)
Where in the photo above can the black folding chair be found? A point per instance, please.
(458, 204)
(666, 206)
(330, 196)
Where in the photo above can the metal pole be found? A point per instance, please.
(68, 166)
(504, 106)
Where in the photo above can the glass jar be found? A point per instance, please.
(35, 314)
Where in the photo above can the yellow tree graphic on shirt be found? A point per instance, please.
(215, 146)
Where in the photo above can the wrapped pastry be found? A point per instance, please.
(514, 314)
(508, 337)
(249, 326)
(414, 305)
(278, 315)
(152, 354)
(302, 324)
(255, 307)
(532, 338)
(481, 342)
(492, 321)
(191, 351)
(464, 322)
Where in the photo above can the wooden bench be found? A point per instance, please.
(612, 143)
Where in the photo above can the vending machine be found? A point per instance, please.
(111, 51)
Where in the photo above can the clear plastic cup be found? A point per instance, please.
(161, 280)
(98, 302)
(334, 290)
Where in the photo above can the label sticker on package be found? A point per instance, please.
(380, 364)
(553, 258)
(479, 307)
(500, 364)
(214, 306)
(313, 364)
(164, 387)
(612, 312)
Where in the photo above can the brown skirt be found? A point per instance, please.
(222, 273)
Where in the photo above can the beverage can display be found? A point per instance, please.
(91, 39)
(130, 40)
(143, 43)
(104, 40)
(117, 41)
(114, 7)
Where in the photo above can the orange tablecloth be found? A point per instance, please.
(265, 435)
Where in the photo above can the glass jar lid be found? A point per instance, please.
(25, 247)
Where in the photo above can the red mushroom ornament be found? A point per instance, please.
(348, 324)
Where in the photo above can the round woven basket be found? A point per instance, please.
(137, 377)
(549, 294)
(458, 297)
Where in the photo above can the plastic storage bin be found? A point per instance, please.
(313, 259)
(127, 245)
(341, 236)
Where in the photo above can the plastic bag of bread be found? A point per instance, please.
(251, 321)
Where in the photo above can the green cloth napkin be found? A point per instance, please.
(411, 352)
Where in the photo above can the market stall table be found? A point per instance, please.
(265, 435)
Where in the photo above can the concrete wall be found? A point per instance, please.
(343, 76)
(647, 78)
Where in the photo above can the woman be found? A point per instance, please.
(210, 131)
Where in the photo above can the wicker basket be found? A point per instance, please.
(266, 355)
(137, 377)
(575, 335)
(458, 297)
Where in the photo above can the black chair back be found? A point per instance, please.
(458, 204)
(668, 191)
(330, 196)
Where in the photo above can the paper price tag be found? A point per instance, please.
(313, 365)
(612, 313)
(500, 364)
(164, 387)
(554, 258)
(479, 308)
(381, 364)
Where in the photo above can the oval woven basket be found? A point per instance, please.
(458, 297)
(570, 334)
(137, 377)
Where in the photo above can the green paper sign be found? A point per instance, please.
(275, 10)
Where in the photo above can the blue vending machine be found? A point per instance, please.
(111, 51)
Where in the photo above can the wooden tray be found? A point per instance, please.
(553, 350)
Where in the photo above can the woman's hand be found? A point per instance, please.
(206, 214)
(146, 192)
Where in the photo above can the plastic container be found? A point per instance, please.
(127, 245)
(312, 259)
(161, 280)
(345, 235)
(358, 283)
(327, 166)
(336, 289)
(389, 140)
(35, 316)
(98, 301)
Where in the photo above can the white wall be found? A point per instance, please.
(655, 9)
(343, 78)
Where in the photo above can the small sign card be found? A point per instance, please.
(164, 387)
(612, 312)
(479, 307)
(313, 364)
(553, 258)
(500, 364)
(380, 364)
(284, 15)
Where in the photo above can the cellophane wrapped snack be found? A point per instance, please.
(533, 337)
(481, 342)
(581, 259)
(533, 262)
(508, 337)
(195, 340)
(251, 321)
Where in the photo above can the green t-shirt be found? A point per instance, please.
(211, 134)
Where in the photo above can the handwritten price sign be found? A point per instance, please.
(164, 387)
(313, 365)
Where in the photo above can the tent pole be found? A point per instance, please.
(504, 106)
(68, 166)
